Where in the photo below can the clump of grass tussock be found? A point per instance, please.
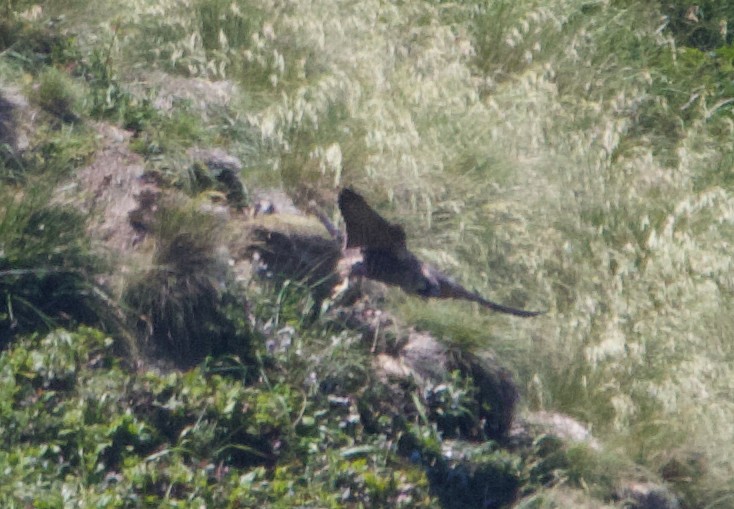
(184, 308)
(47, 268)
(57, 94)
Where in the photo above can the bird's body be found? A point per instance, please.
(386, 258)
(401, 269)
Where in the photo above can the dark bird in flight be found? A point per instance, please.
(386, 258)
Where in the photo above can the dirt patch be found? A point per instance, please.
(111, 189)
(16, 119)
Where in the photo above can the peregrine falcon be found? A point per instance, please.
(386, 258)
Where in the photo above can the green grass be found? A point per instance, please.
(569, 155)
(182, 303)
(47, 268)
(56, 95)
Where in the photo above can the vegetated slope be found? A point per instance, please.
(567, 154)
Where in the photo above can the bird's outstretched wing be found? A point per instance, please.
(365, 227)
(504, 309)
(447, 288)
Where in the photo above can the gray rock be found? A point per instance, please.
(647, 495)
(216, 169)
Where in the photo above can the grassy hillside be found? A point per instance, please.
(566, 155)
